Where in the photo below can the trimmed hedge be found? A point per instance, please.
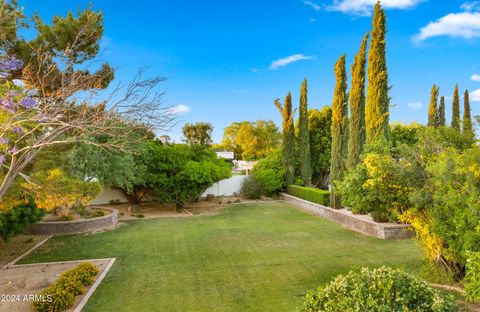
(377, 290)
(61, 295)
(315, 195)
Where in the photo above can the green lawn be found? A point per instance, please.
(248, 258)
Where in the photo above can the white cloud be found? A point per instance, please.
(463, 25)
(475, 95)
(364, 7)
(471, 6)
(288, 60)
(179, 109)
(312, 4)
(475, 77)
(415, 105)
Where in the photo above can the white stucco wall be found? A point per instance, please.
(107, 195)
(226, 187)
(223, 188)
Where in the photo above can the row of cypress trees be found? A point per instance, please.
(436, 114)
(369, 114)
(288, 137)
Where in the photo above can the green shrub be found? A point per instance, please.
(55, 299)
(299, 181)
(61, 295)
(140, 215)
(17, 219)
(251, 188)
(269, 173)
(382, 289)
(98, 213)
(317, 196)
(472, 279)
(67, 217)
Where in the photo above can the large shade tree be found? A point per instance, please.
(251, 140)
(50, 107)
(198, 134)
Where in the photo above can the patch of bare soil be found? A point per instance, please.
(19, 283)
(204, 206)
(17, 246)
(149, 210)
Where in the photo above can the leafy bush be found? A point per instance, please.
(180, 173)
(382, 183)
(472, 278)
(61, 295)
(251, 188)
(17, 219)
(382, 289)
(67, 217)
(98, 213)
(318, 196)
(404, 134)
(270, 174)
(446, 213)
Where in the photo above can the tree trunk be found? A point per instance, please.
(135, 198)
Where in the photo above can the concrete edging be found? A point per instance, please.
(359, 223)
(12, 263)
(92, 288)
(76, 226)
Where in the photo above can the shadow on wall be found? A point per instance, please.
(226, 187)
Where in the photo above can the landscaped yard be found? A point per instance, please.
(260, 257)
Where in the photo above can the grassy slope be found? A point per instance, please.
(249, 258)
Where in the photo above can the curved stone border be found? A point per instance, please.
(359, 223)
(76, 226)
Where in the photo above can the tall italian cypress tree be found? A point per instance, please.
(441, 113)
(357, 107)
(339, 129)
(432, 108)
(456, 109)
(304, 136)
(288, 138)
(376, 110)
(467, 116)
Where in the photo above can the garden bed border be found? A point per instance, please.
(360, 223)
(76, 226)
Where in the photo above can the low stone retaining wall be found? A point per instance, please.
(77, 226)
(359, 223)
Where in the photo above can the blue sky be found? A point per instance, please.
(227, 61)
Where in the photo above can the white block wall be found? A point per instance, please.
(226, 187)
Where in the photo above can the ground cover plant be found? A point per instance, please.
(61, 295)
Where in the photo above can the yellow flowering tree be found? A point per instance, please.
(54, 189)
